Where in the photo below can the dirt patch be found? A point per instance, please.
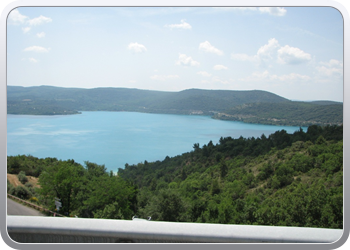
(13, 179)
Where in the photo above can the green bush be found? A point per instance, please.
(28, 185)
(9, 187)
(22, 192)
(34, 199)
(22, 177)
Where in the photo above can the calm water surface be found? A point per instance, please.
(116, 138)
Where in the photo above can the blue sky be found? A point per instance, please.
(295, 52)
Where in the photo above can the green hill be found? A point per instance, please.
(286, 113)
(253, 106)
(122, 99)
(281, 180)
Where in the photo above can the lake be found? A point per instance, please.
(117, 138)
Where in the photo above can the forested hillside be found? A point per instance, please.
(283, 180)
(286, 113)
(289, 180)
(248, 106)
(28, 99)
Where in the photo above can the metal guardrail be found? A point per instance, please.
(33, 229)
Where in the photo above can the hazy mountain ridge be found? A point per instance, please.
(254, 106)
(120, 99)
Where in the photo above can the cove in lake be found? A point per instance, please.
(117, 138)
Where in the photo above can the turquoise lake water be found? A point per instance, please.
(116, 138)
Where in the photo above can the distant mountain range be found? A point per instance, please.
(253, 106)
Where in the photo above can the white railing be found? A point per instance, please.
(32, 229)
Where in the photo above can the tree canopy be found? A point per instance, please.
(282, 180)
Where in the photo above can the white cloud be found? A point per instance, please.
(268, 51)
(205, 81)
(291, 55)
(207, 47)
(16, 18)
(41, 34)
(275, 11)
(217, 79)
(333, 63)
(39, 20)
(219, 67)
(266, 76)
(243, 57)
(236, 8)
(204, 73)
(185, 60)
(33, 60)
(137, 48)
(182, 25)
(292, 76)
(37, 49)
(26, 29)
(329, 71)
(265, 53)
(258, 76)
(273, 51)
(163, 77)
(333, 67)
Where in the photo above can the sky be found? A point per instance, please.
(294, 52)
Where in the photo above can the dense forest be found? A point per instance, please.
(86, 191)
(286, 113)
(253, 106)
(282, 180)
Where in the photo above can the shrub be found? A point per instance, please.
(9, 186)
(22, 193)
(297, 146)
(29, 185)
(22, 177)
(265, 171)
(33, 199)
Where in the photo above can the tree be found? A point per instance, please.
(265, 171)
(170, 205)
(63, 180)
(111, 211)
(197, 209)
(320, 140)
(223, 169)
(196, 146)
(215, 187)
(226, 211)
(280, 139)
(205, 151)
(110, 191)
